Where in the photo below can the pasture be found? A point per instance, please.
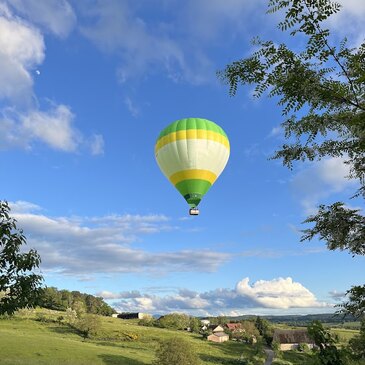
(26, 340)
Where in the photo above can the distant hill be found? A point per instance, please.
(300, 320)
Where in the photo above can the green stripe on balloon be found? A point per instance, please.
(193, 190)
(192, 123)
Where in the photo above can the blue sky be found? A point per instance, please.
(86, 87)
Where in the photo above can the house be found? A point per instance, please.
(128, 315)
(290, 339)
(235, 327)
(214, 328)
(204, 324)
(218, 337)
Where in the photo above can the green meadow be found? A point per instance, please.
(26, 340)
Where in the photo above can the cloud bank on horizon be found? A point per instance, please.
(275, 294)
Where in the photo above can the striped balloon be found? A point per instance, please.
(192, 153)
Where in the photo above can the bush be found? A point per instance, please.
(88, 325)
(303, 347)
(175, 351)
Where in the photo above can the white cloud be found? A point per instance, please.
(336, 295)
(179, 46)
(350, 20)
(320, 180)
(56, 16)
(97, 144)
(21, 49)
(53, 127)
(133, 109)
(280, 293)
(117, 29)
(208, 19)
(92, 245)
(21, 206)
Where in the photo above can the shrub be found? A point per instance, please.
(175, 351)
(88, 325)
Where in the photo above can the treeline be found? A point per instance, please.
(52, 298)
(175, 321)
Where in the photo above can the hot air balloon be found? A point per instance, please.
(192, 153)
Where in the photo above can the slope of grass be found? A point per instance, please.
(24, 340)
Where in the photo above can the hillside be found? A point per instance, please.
(38, 338)
(304, 320)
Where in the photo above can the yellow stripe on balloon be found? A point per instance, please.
(192, 134)
(192, 174)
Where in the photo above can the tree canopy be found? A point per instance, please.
(52, 298)
(19, 284)
(321, 90)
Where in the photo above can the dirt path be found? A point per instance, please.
(270, 356)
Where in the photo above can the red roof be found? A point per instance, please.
(233, 326)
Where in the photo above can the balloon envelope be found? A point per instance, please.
(192, 153)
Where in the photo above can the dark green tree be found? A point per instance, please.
(321, 90)
(176, 321)
(19, 283)
(176, 351)
(328, 353)
(195, 324)
(357, 343)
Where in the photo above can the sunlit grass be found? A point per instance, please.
(24, 340)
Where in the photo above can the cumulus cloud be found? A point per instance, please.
(56, 16)
(93, 245)
(21, 49)
(279, 293)
(320, 180)
(53, 127)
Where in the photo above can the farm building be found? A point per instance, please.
(290, 339)
(204, 324)
(218, 337)
(235, 327)
(214, 328)
(129, 315)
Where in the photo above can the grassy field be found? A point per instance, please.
(24, 340)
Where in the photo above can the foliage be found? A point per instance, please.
(174, 321)
(303, 347)
(175, 351)
(195, 324)
(328, 353)
(220, 320)
(356, 302)
(19, 283)
(325, 85)
(52, 298)
(89, 325)
(262, 325)
(357, 343)
(147, 321)
(276, 348)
